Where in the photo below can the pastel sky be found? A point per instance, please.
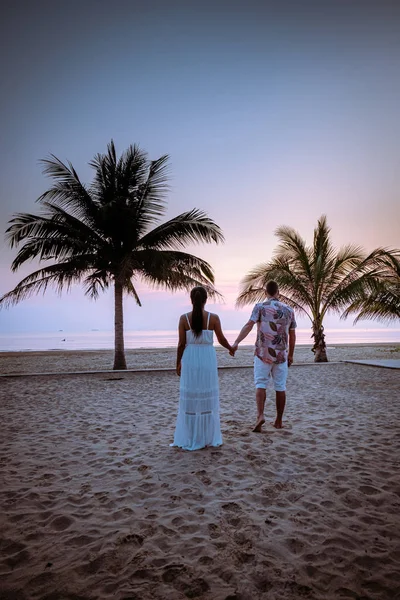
(273, 113)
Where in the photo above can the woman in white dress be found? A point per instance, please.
(197, 424)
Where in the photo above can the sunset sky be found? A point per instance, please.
(273, 113)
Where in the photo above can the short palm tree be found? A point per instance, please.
(315, 280)
(380, 302)
(101, 234)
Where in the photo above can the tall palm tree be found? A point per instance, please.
(316, 279)
(100, 234)
(382, 301)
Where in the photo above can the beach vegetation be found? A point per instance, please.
(110, 234)
(318, 279)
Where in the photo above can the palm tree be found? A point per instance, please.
(382, 301)
(100, 234)
(315, 280)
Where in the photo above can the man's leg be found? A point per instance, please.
(280, 407)
(261, 395)
(279, 375)
(261, 377)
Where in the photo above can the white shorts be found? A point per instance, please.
(264, 371)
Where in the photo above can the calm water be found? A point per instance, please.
(99, 340)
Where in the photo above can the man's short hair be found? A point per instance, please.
(272, 288)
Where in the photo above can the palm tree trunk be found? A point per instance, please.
(119, 350)
(319, 347)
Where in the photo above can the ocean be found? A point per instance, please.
(104, 340)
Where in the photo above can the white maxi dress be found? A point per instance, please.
(197, 424)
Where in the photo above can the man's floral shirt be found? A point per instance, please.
(274, 319)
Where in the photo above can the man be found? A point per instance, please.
(276, 339)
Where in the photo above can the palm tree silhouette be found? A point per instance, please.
(318, 279)
(109, 233)
(381, 301)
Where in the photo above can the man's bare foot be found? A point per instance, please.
(260, 423)
(277, 424)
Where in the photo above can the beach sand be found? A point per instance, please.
(95, 504)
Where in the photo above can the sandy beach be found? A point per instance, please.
(61, 361)
(95, 504)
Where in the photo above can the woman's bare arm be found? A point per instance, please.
(220, 336)
(181, 344)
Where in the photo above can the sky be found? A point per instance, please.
(272, 113)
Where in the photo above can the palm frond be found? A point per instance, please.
(75, 227)
(322, 248)
(323, 259)
(60, 276)
(293, 248)
(131, 172)
(130, 289)
(96, 282)
(174, 270)
(26, 225)
(150, 196)
(56, 234)
(379, 297)
(383, 307)
(291, 285)
(104, 185)
(45, 249)
(187, 228)
(358, 274)
(68, 191)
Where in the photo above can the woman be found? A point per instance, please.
(197, 425)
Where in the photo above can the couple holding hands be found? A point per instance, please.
(198, 421)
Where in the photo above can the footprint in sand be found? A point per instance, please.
(179, 576)
(295, 546)
(231, 507)
(214, 530)
(241, 540)
(368, 490)
(196, 588)
(263, 584)
(131, 538)
(61, 523)
(299, 591)
(143, 574)
(206, 560)
(202, 475)
(172, 572)
(85, 487)
(233, 520)
(143, 468)
(244, 557)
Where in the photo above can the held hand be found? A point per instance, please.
(233, 349)
(178, 369)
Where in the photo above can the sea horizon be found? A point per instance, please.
(104, 340)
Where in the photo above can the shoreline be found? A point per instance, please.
(217, 346)
(79, 361)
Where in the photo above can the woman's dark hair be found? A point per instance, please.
(198, 296)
